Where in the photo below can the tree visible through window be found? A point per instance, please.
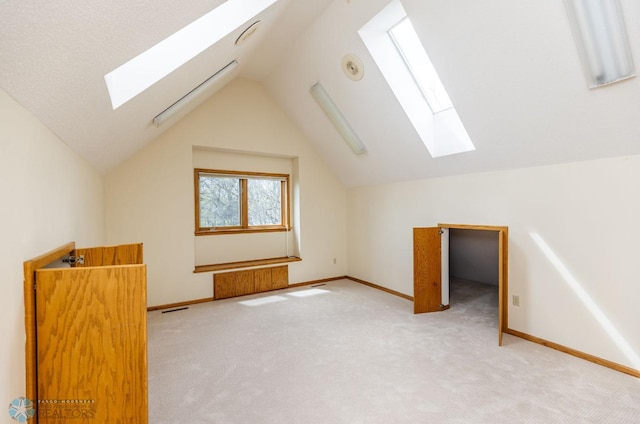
(264, 201)
(232, 201)
(219, 201)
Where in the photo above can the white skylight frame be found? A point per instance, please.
(149, 67)
(442, 133)
(412, 51)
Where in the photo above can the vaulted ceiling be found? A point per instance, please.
(511, 69)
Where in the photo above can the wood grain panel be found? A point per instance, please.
(263, 281)
(125, 254)
(427, 270)
(503, 289)
(474, 227)
(30, 266)
(130, 254)
(279, 277)
(93, 256)
(245, 283)
(501, 239)
(91, 325)
(224, 285)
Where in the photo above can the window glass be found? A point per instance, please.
(219, 201)
(264, 202)
(398, 52)
(228, 202)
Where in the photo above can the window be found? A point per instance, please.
(235, 202)
(398, 51)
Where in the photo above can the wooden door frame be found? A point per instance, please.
(30, 266)
(503, 278)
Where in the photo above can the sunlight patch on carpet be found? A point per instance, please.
(262, 300)
(310, 292)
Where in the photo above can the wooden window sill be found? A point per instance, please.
(236, 230)
(245, 264)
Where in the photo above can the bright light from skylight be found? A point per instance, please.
(309, 292)
(149, 67)
(262, 300)
(408, 44)
(405, 65)
(591, 305)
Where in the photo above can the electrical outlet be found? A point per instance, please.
(516, 300)
(334, 261)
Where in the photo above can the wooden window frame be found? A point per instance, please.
(244, 203)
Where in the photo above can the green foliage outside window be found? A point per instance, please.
(222, 194)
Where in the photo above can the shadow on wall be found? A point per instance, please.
(473, 255)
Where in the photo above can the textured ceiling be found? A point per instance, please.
(54, 56)
(511, 69)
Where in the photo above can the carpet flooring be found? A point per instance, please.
(347, 353)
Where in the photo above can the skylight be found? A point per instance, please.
(405, 65)
(149, 67)
(420, 66)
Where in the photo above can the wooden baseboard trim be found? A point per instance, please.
(310, 283)
(211, 299)
(245, 264)
(179, 304)
(290, 286)
(603, 362)
(384, 289)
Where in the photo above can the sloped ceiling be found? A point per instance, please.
(54, 55)
(511, 69)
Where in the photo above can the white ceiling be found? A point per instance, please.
(55, 55)
(511, 69)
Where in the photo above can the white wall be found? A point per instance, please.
(50, 196)
(586, 213)
(226, 248)
(149, 198)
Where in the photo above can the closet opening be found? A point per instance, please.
(462, 263)
(474, 274)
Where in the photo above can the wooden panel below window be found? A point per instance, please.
(245, 283)
(263, 279)
(279, 277)
(239, 283)
(224, 285)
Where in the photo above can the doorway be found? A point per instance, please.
(431, 268)
(473, 274)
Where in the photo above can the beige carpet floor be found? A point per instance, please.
(344, 353)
